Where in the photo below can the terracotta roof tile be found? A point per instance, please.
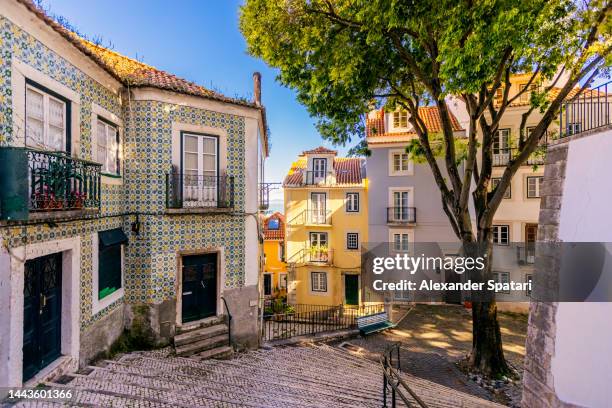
(278, 234)
(348, 170)
(375, 124)
(320, 150)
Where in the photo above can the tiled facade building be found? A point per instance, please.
(124, 191)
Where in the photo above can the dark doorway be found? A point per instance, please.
(42, 318)
(351, 289)
(199, 297)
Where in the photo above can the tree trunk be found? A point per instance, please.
(487, 354)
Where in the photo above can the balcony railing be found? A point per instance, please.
(501, 157)
(401, 215)
(590, 109)
(319, 178)
(264, 194)
(319, 255)
(318, 217)
(60, 182)
(198, 191)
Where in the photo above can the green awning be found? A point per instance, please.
(112, 237)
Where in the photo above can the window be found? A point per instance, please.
(106, 147)
(400, 162)
(352, 240)
(318, 281)
(319, 252)
(501, 234)
(352, 202)
(529, 280)
(533, 186)
(281, 251)
(502, 277)
(273, 224)
(501, 142)
(499, 96)
(47, 119)
(282, 280)
(200, 170)
(401, 212)
(573, 128)
(267, 284)
(400, 241)
(526, 96)
(110, 262)
(319, 167)
(495, 181)
(400, 119)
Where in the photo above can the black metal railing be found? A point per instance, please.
(229, 322)
(301, 320)
(401, 215)
(394, 383)
(501, 157)
(264, 194)
(198, 191)
(320, 255)
(589, 109)
(319, 178)
(58, 181)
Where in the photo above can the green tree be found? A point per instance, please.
(345, 57)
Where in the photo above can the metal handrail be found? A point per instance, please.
(229, 322)
(590, 108)
(392, 378)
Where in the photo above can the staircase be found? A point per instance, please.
(301, 376)
(209, 339)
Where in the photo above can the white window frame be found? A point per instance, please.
(409, 170)
(357, 242)
(45, 120)
(538, 186)
(282, 280)
(497, 277)
(402, 232)
(508, 193)
(499, 228)
(352, 202)
(108, 125)
(526, 96)
(319, 287)
(98, 305)
(399, 116)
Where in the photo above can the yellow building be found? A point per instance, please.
(274, 282)
(326, 209)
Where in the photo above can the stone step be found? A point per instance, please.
(260, 396)
(210, 321)
(201, 345)
(271, 383)
(199, 334)
(217, 353)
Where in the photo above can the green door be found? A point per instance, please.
(199, 287)
(351, 289)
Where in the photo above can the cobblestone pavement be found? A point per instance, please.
(299, 376)
(435, 337)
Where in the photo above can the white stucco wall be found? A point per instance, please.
(583, 352)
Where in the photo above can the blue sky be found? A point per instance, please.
(199, 41)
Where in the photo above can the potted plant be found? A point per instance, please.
(319, 253)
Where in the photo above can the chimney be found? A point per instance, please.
(257, 88)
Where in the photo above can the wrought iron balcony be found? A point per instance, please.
(192, 191)
(589, 109)
(321, 255)
(401, 215)
(501, 157)
(525, 254)
(60, 182)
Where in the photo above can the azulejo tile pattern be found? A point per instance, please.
(151, 256)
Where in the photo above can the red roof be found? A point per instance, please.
(375, 126)
(348, 171)
(320, 150)
(277, 234)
